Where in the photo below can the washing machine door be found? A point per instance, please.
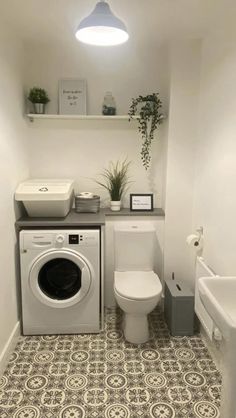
(61, 278)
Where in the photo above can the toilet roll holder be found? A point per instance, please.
(196, 240)
(199, 231)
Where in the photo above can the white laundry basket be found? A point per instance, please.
(46, 197)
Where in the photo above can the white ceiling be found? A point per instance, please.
(147, 20)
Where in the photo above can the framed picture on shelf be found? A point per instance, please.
(141, 202)
(72, 96)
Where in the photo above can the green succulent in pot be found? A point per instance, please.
(147, 108)
(115, 181)
(39, 98)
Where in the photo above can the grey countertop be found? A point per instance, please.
(74, 219)
(128, 212)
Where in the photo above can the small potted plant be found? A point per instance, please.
(39, 98)
(115, 182)
(147, 108)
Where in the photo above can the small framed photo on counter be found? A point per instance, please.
(141, 202)
(72, 97)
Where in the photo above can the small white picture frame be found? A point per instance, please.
(72, 96)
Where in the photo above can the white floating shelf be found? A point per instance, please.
(33, 116)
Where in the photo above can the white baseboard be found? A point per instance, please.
(9, 347)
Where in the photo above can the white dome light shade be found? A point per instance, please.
(102, 27)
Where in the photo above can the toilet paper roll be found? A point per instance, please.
(195, 242)
(86, 195)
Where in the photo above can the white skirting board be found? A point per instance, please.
(9, 347)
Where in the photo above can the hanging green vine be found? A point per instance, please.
(147, 108)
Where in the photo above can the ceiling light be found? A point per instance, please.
(102, 27)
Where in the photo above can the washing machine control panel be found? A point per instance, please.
(44, 239)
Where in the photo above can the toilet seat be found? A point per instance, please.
(137, 285)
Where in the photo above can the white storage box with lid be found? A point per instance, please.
(46, 197)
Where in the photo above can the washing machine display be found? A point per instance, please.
(60, 279)
(73, 239)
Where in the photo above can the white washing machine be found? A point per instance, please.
(60, 281)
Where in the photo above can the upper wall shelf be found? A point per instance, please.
(33, 116)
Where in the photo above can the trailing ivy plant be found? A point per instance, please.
(147, 108)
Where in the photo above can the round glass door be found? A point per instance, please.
(59, 279)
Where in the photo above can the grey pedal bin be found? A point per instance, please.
(179, 308)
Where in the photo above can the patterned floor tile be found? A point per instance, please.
(102, 375)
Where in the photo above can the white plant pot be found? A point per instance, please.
(115, 205)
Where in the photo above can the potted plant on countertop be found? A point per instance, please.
(39, 98)
(115, 182)
(147, 108)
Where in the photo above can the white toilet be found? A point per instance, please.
(137, 288)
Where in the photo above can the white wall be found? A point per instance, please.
(13, 169)
(215, 197)
(82, 149)
(183, 135)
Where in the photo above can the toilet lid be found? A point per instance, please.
(137, 285)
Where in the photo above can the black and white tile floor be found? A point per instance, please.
(95, 376)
